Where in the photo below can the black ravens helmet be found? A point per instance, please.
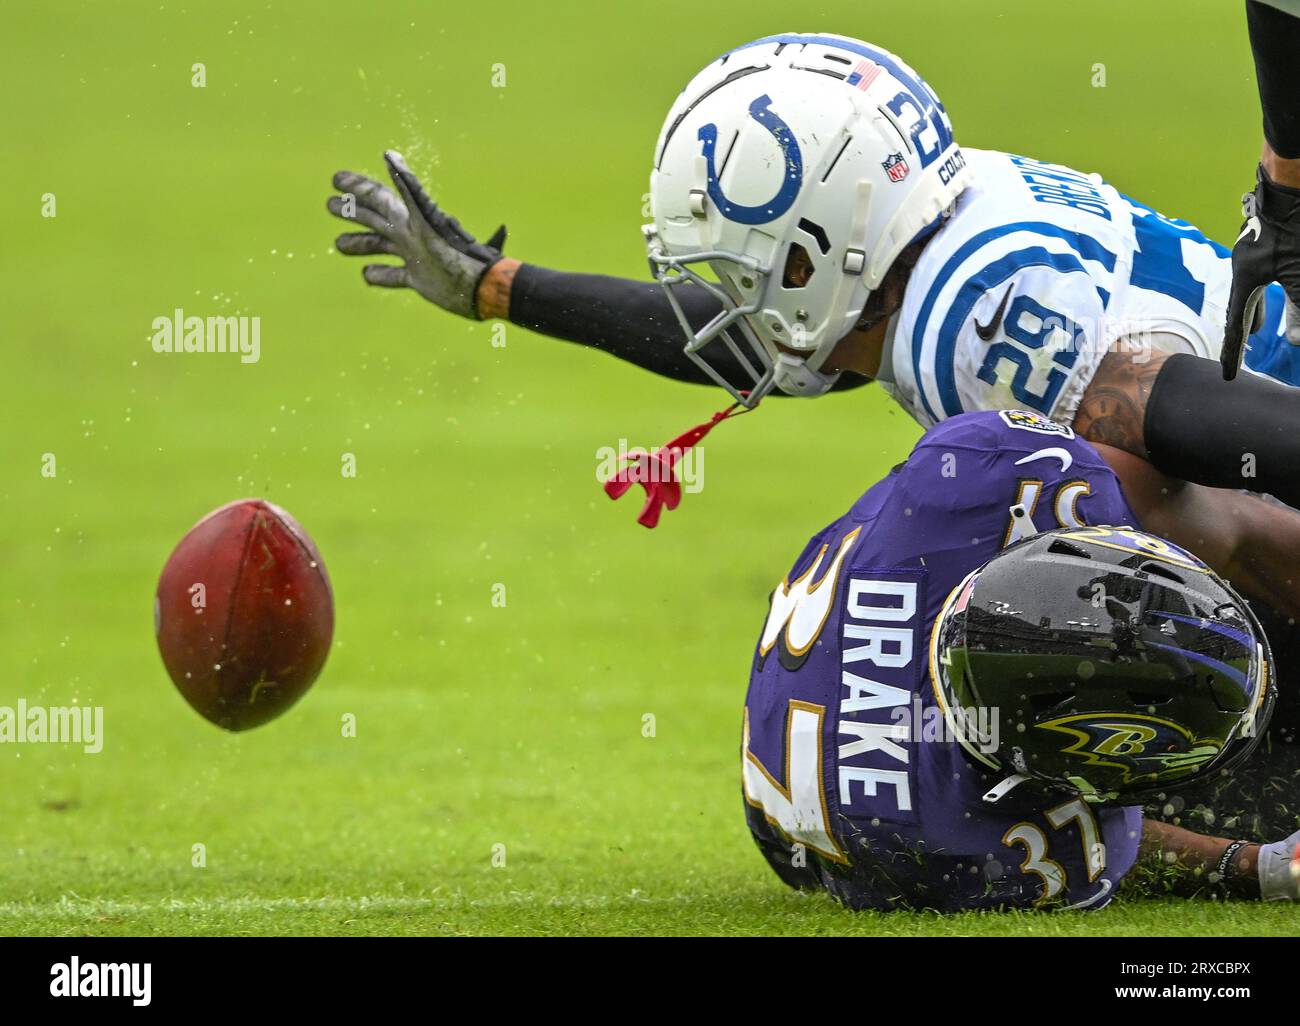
(1114, 664)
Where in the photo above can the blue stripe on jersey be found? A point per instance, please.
(1085, 245)
(1158, 259)
(1192, 232)
(963, 303)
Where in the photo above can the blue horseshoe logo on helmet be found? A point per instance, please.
(761, 111)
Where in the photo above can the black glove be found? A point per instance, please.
(1267, 250)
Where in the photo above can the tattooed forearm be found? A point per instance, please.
(1114, 404)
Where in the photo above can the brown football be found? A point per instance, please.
(244, 614)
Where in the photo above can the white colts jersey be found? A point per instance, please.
(1039, 273)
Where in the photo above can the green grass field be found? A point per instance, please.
(477, 726)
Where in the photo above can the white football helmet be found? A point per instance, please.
(814, 141)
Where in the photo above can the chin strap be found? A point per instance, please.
(1000, 790)
(656, 471)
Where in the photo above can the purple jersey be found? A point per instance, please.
(851, 781)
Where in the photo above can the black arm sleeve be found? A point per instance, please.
(629, 319)
(1275, 41)
(1224, 434)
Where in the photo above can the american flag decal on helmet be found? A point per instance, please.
(895, 166)
(863, 74)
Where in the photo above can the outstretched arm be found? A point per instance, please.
(1268, 248)
(1249, 539)
(629, 319)
(1178, 413)
(1267, 872)
(1199, 859)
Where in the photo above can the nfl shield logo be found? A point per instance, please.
(895, 166)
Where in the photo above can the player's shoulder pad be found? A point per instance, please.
(1025, 296)
(982, 250)
(1018, 431)
(1016, 289)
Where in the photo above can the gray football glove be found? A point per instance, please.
(442, 261)
(1278, 870)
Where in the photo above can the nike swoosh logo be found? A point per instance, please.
(1251, 226)
(1102, 891)
(986, 332)
(1054, 452)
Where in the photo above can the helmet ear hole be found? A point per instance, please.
(1047, 702)
(817, 233)
(1153, 569)
(1061, 547)
(799, 268)
(1149, 698)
